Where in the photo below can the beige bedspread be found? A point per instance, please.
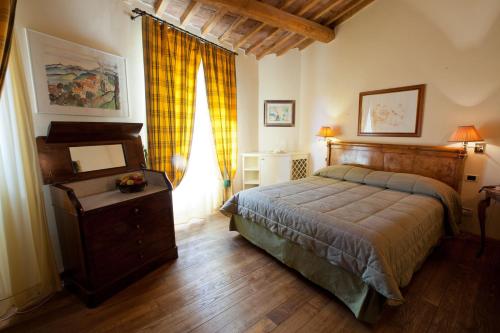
(377, 225)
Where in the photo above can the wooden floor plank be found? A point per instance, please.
(303, 314)
(223, 283)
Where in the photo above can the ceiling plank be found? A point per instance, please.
(331, 6)
(212, 22)
(160, 6)
(236, 23)
(290, 47)
(305, 8)
(278, 45)
(262, 41)
(349, 11)
(249, 35)
(191, 9)
(305, 42)
(273, 16)
(286, 4)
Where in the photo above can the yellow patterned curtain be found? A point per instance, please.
(220, 78)
(171, 61)
(7, 9)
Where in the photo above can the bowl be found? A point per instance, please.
(132, 188)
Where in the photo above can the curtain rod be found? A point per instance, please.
(141, 12)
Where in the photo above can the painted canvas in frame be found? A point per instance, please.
(279, 113)
(391, 112)
(71, 79)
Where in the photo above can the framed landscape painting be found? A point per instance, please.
(391, 112)
(279, 113)
(71, 79)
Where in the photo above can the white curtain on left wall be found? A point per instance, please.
(28, 272)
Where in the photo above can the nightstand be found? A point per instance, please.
(492, 193)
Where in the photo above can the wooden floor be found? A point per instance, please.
(222, 283)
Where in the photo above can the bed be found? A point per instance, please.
(361, 226)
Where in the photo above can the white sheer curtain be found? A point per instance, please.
(27, 268)
(200, 192)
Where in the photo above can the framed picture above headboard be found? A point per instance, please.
(391, 112)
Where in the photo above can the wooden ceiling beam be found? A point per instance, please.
(191, 9)
(273, 16)
(284, 6)
(160, 6)
(212, 22)
(304, 9)
(236, 23)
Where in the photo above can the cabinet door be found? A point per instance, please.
(274, 169)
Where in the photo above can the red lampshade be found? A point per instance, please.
(465, 134)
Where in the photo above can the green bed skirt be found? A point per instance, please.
(364, 302)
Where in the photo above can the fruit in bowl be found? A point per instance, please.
(131, 183)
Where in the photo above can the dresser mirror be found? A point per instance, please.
(97, 157)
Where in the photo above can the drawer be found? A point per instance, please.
(156, 227)
(111, 219)
(143, 229)
(107, 267)
(125, 258)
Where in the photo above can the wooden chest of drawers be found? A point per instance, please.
(105, 248)
(107, 238)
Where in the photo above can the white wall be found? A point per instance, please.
(279, 80)
(247, 84)
(106, 26)
(394, 43)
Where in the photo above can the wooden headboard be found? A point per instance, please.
(442, 163)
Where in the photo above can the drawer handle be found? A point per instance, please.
(136, 211)
(141, 256)
(138, 226)
(139, 242)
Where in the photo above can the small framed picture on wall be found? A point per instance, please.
(279, 113)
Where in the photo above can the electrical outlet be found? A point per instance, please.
(470, 178)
